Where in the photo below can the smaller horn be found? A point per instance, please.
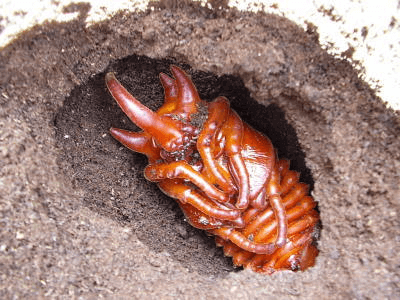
(170, 88)
(187, 93)
(171, 95)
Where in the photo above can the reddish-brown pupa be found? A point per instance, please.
(224, 174)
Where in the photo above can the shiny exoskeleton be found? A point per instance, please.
(224, 174)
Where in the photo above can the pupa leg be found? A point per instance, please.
(185, 194)
(182, 170)
(218, 113)
(244, 243)
(233, 131)
(275, 200)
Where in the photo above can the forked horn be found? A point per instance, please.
(187, 93)
(164, 130)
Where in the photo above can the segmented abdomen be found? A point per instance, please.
(299, 252)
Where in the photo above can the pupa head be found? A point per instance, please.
(170, 127)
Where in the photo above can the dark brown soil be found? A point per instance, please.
(78, 219)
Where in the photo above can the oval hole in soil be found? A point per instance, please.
(111, 177)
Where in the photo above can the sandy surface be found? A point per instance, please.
(79, 220)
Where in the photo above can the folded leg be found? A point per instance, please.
(233, 131)
(179, 190)
(218, 113)
(182, 170)
(275, 200)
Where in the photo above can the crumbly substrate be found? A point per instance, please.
(79, 219)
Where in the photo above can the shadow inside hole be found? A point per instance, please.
(111, 176)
